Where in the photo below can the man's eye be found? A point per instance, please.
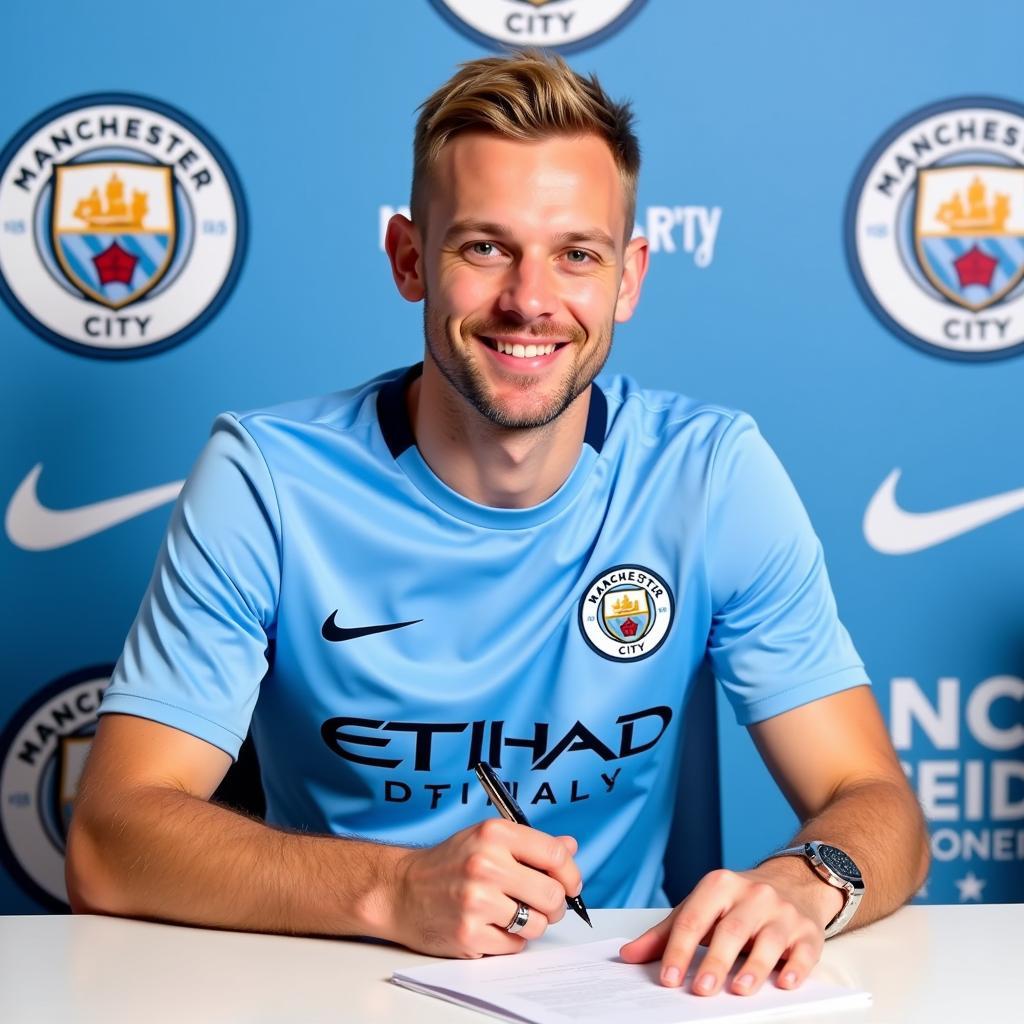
(482, 248)
(578, 256)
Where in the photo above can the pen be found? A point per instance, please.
(511, 811)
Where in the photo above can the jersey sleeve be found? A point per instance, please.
(776, 641)
(197, 651)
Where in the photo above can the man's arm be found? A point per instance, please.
(145, 841)
(835, 763)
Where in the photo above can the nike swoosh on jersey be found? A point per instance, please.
(34, 527)
(335, 633)
(893, 531)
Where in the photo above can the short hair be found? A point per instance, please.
(527, 95)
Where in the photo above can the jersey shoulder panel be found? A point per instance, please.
(659, 418)
(338, 410)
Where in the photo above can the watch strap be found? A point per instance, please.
(852, 891)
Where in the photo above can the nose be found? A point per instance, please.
(529, 290)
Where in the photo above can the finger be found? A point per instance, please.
(769, 946)
(535, 889)
(800, 962)
(489, 940)
(493, 887)
(535, 849)
(473, 933)
(731, 934)
(493, 863)
(484, 914)
(536, 922)
(683, 940)
(570, 843)
(649, 946)
(695, 920)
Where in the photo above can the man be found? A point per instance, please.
(493, 558)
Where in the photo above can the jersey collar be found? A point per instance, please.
(393, 416)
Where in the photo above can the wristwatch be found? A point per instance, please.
(837, 868)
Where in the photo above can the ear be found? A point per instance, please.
(404, 247)
(633, 273)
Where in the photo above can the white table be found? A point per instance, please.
(923, 964)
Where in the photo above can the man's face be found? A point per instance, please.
(522, 265)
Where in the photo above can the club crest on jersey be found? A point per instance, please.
(935, 228)
(122, 225)
(625, 612)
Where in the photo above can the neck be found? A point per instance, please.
(488, 464)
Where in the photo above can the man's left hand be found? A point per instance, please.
(774, 912)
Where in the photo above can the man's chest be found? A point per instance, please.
(402, 646)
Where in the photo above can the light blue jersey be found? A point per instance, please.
(382, 633)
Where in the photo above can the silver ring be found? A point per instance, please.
(519, 919)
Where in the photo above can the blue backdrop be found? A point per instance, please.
(835, 200)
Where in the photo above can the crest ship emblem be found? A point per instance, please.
(114, 228)
(969, 231)
(626, 613)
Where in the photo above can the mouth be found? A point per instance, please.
(521, 353)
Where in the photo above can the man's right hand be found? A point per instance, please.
(457, 898)
(146, 841)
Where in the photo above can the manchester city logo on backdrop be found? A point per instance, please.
(625, 612)
(42, 753)
(122, 225)
(565, 25)
(935, 228)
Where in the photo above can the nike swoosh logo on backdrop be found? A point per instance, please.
(894, 531)
(335, 633)
(34, 527)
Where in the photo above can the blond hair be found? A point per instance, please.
(527, 95)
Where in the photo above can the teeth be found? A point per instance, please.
(524, 351)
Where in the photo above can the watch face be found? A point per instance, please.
(838, 861)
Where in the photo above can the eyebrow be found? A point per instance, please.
(593, 235)
(483, 227)
(486, 227)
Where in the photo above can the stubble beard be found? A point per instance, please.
(466, 378)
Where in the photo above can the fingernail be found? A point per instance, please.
(670, 976)
(706, 982)
(789, 978)
(745, 980)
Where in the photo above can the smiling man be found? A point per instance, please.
(493, 555)
(521, 255)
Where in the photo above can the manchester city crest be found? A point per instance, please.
(565, 25)
(625, 612)
(122, 225)
(113, 228)
(935, 228)
(969, 231)
(42, 754)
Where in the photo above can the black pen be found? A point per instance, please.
(511, 811)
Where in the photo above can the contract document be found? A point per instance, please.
(590, 983)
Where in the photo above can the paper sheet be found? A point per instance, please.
(569, 984)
